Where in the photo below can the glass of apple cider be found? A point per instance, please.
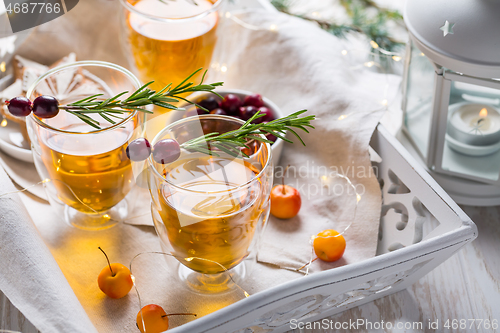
(86, 170)
(167, 40)
(209, 211)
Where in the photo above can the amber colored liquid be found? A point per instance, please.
(170, 52)
(218, 227)
(87, 181)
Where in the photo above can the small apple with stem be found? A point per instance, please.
(115, 280)
(285, 200)
(153, 319)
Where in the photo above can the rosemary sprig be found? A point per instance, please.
(231, 142)
(374, 27)
(113, 107)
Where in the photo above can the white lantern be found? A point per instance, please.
(451, 93)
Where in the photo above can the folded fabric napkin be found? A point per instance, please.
(297, 66)
(29, 275)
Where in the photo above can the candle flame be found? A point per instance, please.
(483, 113)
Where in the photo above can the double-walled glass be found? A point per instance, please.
(165, 41)
(210, 211)
(87, 172)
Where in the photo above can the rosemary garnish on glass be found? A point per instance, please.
(231, 142)
(114, 107)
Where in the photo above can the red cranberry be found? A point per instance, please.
(45, 107)
(208, 126)
(19, 106)
(166, 151)
(268, 116)
(254, 100)
(231, 103)
(219, 111)
(271, 137)
(209, 103)
(247, 112)
(138, 150)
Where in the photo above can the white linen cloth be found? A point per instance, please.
(298, 66)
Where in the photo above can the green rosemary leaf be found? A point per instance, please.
(103, 115)
(165, 99)
(85, 119)
(232, 152)
(258, 138)
(375, 26)
(86, 99)
(296, 135)
(161, 91)
(185, 80)
(229, 141)
(167, 106)
(113, 115)
(138, 91)
(140, 98)
(195, 104)
(280, 136)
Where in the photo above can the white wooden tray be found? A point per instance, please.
(421, 227)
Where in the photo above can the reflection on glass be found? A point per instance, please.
(420, 89)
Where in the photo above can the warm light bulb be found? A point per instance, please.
(374, 44)
(3, 123)
(483, 113)
(344, 52)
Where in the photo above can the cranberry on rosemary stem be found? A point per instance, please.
(169, 150)
(42, 106)
(166, 151)
(138, 150)
(19, 106)
(45, 107)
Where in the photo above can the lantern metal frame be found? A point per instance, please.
(464, 188)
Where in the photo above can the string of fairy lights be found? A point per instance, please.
(375, 51)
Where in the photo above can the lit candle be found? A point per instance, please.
(475, 124)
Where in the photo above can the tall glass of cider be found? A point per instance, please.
(166, 40)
